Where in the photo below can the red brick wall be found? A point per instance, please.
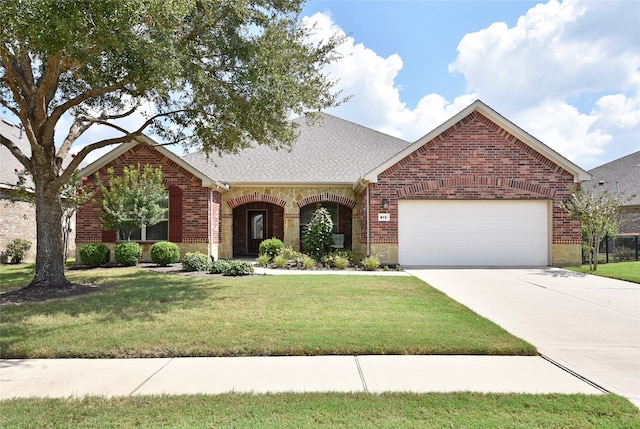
(197, 216)
(473, 159)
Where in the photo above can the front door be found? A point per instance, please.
(256, 229)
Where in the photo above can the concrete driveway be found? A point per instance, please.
(588, 324)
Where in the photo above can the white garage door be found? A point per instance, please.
(473, 233)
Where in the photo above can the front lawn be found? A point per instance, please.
(325, 410)
(141, 313)
(629, 271)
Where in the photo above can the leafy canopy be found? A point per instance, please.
(215, 73)
(598, 214)
(133, 199)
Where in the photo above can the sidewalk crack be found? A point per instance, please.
(364, 382)
(146, 380)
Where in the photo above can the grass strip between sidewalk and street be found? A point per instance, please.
(141, 313)
(325, 410)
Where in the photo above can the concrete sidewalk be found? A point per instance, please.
(375, 374)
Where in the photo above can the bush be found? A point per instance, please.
(263, 260)
(340, 262)
(280, 261)
(15, 251)
(317, 238)
(238, 268)
(127, 253)
(270, 247)
(219, 266)
(624, 254)
(165, 253)
(371, 263)
(195, 261)
(308, 262)
(94, 254)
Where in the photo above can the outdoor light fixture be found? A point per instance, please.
(385, 203)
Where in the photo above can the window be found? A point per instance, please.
(306, 213)
(157, 232)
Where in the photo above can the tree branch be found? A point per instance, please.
(15, 151)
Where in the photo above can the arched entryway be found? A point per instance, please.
(341, 215)
(254, 222)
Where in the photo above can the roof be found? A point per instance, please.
(330, 150)
(124, 147)
(8, 162)
(619, 176)
(578, 173)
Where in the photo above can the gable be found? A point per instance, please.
(145, 151)
(481, 136)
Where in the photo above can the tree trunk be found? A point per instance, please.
(50, 248)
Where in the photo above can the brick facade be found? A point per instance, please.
(200, 206)
(473, 159)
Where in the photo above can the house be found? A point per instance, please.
(17, 218)
(621, 177)
(476, 191)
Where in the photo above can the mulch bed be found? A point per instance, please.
(43, 293)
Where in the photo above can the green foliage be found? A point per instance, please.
(238, 268)
(270, 247)
(219, 266)
(15, 251)
(216, 75)
(371, 263)
(308, 263)
(165, 253)
(317, 238)
(280, 261)
(94, 254)
(341, 259)
(598, 213)
(340, 263)
(195, 261)
(127, 253)
(133, 199)
(263, 260)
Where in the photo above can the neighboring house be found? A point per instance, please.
(621, 177)
(475, 191)
(17, 219)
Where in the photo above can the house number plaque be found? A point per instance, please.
(384, 217)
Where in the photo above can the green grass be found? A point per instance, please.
(629, 271)
(324, 410)
(140, 313)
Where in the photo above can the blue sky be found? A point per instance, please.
(567, 72)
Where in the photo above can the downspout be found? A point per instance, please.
(368, 224)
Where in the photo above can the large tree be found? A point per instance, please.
(217, 74)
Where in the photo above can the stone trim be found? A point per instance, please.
(327, 197)
(255, 197)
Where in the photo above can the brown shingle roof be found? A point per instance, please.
(620, 175)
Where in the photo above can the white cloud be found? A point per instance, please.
(568, 72)
(370, 80)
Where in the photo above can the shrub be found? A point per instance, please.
(308, 262)
(15, 251)
(94, 254)
(219, 266)
(127, 253)
(195, 261)
(340, 262)
(624, 254)
(165, 253)
(238, 268)
(280, 261)
(318, 235)
(371, 263)
(270, 247)
(263, 260)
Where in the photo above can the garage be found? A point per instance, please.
(473, 232)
